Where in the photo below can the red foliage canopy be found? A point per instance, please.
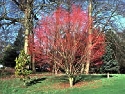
(63, 37)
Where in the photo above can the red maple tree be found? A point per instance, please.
(62, 39)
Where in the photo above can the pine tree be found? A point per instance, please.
(110, 63)
(19, 42)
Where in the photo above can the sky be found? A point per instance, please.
(119, 20)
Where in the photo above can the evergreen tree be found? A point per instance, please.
(110, 62)
(19, 42)
(9, 56)
(12, 51)
(22, 61)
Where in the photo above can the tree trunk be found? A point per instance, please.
(71, 80)
(26, 35)
(33, 55)
(28, 23)
(55, 69)
(87, 67)
(33, 63)
(83, 68)
(89, 38)
(108, 75)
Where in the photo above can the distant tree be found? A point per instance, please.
(7, 37)
(120, 50)
(11, 51)
(9, 56)
(116, 41)
(110, 64)
(19, 41)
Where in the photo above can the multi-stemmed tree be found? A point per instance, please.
(63, 38)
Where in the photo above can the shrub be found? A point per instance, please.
(21, 66)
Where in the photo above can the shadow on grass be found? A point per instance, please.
(90, 77)
(35, 81)
(80, 78)
(63, 79)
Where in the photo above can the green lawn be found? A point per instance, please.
(88, 84)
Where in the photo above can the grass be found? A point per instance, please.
(85, 84)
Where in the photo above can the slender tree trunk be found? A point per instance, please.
(33, 62)
(89, 38)
(26, 32)
(82, 69)
(108, 75)
(55, 69)
(32, 54)
(71, 80)
(28, 23)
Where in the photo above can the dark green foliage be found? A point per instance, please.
(110, 64)
(120, 53)
(111, 67)
(12, 51)
(1, 61)
(19, 42)
(9, 56)
(117, 45)
(21, 66)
